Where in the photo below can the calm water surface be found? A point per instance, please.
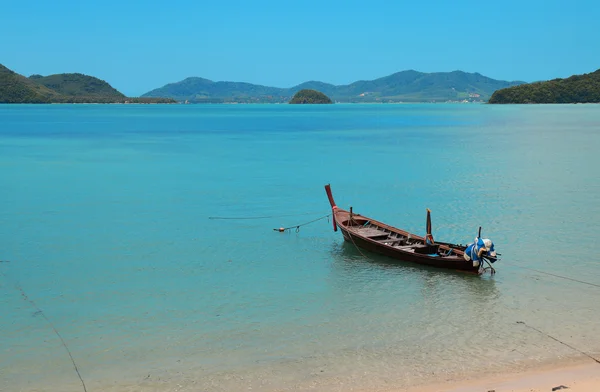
(105, 226)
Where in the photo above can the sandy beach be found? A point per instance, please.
(581, 377)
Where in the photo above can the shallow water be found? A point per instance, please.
(105, 221)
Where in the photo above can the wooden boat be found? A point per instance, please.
(372, 235)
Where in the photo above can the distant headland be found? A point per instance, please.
(62, 88)
(404, 86)
(308, 96)
(575, 89)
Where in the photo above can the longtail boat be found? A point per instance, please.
(378, 237)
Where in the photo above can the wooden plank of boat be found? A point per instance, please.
(378, 237)
(370, 232)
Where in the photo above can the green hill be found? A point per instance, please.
(575, 89)
(204, 90)
(77, 85)
(15, 88)
(62, 88)
(308, 96)
(406, 86)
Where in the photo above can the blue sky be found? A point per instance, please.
(140, 45)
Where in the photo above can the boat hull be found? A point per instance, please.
(378, 237)
(453, 263)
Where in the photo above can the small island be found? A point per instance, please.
(308, 96)
(575, 89)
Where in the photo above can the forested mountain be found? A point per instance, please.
(62, 88)
(575, 89)
(77, 85)
(15, 88)
(407, 86)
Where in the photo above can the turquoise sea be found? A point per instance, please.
(104, 225)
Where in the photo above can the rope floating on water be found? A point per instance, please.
(559, 341)
(40, 312)
(555, 275)
(357, 248)
(259, 217)
(297, 227)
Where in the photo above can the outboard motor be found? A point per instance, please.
(491, 254)
(480, 249)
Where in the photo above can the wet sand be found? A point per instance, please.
(582, 377)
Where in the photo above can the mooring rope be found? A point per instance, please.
(357, 248)
(260, 217)
(297, 227)
(551, 274)
(559, 341)
(39, 311)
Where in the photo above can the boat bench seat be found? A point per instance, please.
(390, 240)
(372, 233)
(369, 231)
(378, 237)
(413, 246)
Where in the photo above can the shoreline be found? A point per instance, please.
(577, 374)
(582, 375)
